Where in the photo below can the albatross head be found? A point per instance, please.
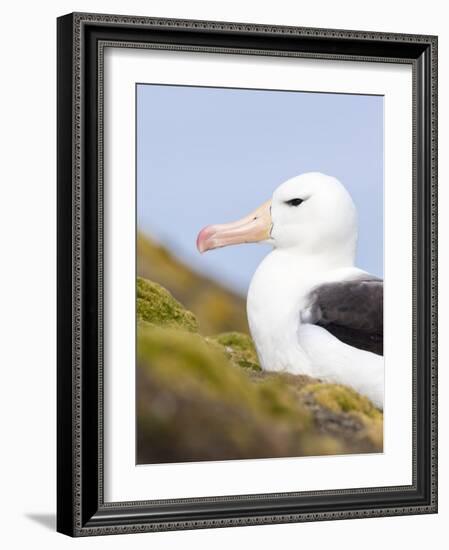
(312, 212)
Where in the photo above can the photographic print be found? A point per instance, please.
(259, 273)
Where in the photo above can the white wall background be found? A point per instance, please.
(28, 266)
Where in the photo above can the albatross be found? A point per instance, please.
(310, 309)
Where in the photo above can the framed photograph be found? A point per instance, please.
(231, 199)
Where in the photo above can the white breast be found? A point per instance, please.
(276, 297)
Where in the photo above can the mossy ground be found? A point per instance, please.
(156, 306)
(239, 348)
(216, 308)
(206, 398)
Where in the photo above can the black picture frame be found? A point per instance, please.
(81, 509)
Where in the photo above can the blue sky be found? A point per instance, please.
(211, 155)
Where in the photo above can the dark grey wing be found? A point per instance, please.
(352, 311)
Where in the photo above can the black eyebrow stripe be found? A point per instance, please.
(292, 202)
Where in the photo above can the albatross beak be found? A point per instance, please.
(251, 229)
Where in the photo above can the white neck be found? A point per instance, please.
(276, 296)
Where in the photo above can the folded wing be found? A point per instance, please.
(351, 310)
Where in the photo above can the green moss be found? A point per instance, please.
(363, 422)
(194, 403)
(184, 358)
(155, 305)
(239, 348)
(180, 355)
(342, 399)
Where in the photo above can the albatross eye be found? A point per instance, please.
(294, 202)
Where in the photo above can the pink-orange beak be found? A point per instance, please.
(251, 229)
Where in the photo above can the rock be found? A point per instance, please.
(341, 399)
(341, 412)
